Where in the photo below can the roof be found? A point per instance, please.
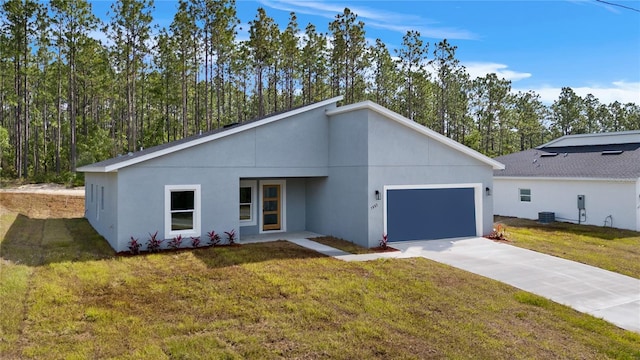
(590, 156)
(608, 138)
(495, 164)
(113, 164)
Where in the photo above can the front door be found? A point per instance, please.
(271, 207)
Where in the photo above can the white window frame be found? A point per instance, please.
(168, 189)
(520, 195)
(253, 184)
(283, 205)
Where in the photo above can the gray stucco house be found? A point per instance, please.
(356, 172)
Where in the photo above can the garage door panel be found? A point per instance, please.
(423, 214)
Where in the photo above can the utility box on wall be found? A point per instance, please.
(581, 202)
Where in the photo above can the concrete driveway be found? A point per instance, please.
(604, 294)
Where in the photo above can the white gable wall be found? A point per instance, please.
(603, 197)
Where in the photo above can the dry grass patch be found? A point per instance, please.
(42, 206)
(607, 248)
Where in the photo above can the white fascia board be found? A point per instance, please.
(419, 128)
(89, 168)
(205, 139)
(551, 178)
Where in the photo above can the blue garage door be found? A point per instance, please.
(426, 214)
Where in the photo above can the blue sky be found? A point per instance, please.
(587, 45)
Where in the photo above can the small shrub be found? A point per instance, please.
(214, 239)
(498, 233)
(175, 242)
(383, 242)
(231, 236)
(195, 241)
(153, 244)
(134, 246)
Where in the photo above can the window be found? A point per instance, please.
(248, 195)
(102, 198)
(91, 193)
(182, 210)
(525, 195)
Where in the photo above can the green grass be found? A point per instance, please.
(71, 297)
(611, 249)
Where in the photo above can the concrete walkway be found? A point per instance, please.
(601, 293)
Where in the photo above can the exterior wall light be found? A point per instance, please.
(487, 190)
(377, 194)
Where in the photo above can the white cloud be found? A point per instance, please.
(479, 69)
(621, 91)
(381, 19)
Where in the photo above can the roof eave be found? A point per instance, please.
(496, 165)
(566, 178)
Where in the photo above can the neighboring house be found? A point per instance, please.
(591, 179)
(354, 172)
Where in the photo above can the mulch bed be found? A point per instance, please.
(169, 250)
(381, 249)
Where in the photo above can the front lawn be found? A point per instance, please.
(607, 248)
(64, 294)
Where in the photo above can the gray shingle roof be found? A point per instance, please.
(622, 162)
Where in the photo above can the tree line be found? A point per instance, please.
(67, 99)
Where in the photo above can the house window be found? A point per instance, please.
(248, 196)
(102, 198)
(182, 210)
(525, 195)
(92, 193)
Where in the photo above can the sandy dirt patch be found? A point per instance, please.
(43, 201)
(53, 189)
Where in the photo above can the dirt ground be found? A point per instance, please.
(40, 201)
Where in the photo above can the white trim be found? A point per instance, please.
(196, 211)
(477, 196)
(547, 178)
(283, 205)
(419, 128)
(204, 139)
(623, 135)
(253, 184)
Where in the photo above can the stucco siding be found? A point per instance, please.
(400, 156)
(101, 211)
(142, 199)
(602, 198)
(296, 205)
(281, 148)
(337, 205)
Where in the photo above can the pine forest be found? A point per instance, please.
(68, 99)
